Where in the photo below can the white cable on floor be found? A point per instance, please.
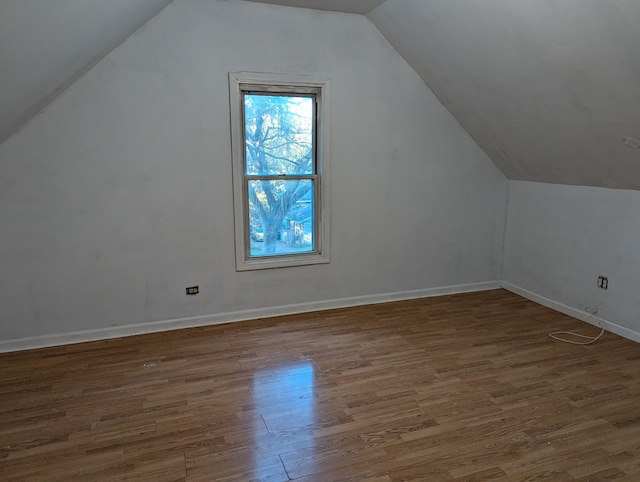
(592, 339)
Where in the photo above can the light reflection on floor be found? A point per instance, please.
(285, 399)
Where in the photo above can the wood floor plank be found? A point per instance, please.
(461, 387)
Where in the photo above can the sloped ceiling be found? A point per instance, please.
(548, 88)
(45, 45)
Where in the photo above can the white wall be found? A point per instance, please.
(119, 196)
(559, 239)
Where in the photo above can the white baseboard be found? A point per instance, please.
(230, 317)
(574, 312)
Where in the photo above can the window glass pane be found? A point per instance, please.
(278, 134)
(281, 217)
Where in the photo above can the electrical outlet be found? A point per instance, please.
(193, 290)
(603, 282)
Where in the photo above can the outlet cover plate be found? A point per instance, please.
(193, 290)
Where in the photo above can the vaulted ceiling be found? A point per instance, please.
(550, 89)
(46, 45)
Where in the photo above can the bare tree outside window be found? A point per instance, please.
(280, 172)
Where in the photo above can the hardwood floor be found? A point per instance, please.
(463, 387)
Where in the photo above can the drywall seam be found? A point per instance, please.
(217, 319)
(505, 222)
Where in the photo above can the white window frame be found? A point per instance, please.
(240, 82)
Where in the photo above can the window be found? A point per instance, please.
(280, 146)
